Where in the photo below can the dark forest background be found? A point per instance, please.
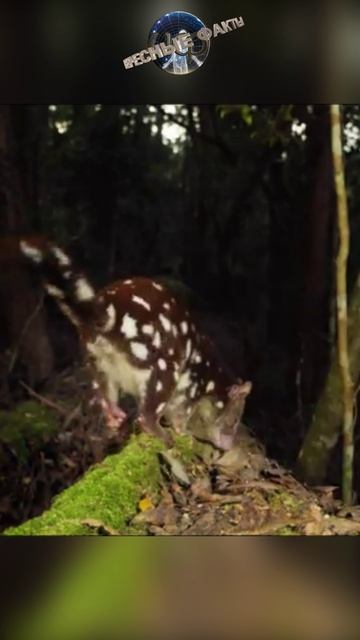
(235, 202)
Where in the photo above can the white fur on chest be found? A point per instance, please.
(119, 373)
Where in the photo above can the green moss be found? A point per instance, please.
(109, 493)
(185, 448)
(26, 427)
(286, 531)
(284, 500)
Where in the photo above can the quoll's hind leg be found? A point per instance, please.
(153, 406)
(150, 423)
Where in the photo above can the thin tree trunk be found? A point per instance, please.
(342, 320)
(324, 430)
(336, 402)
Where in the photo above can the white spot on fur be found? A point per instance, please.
(94, 384)
(210, 386)
(110, 323)
(159, 385)
(176, 376)
(31, 252)
(220, 404)
(162, 364)
(128, 327)
(67, 275)
(127, 282)
(61, 256)
(160, 408)
(118, 373)
(157, 340)
(185, 381)
(193, 391)
(139, 350)
(69, 313)
(141, 301)
(178, 400)
(184, 327)
(165, 322)
(171, 352)
(148, 329)
(166, 305)
(54, 291)
(175, 331)
(197, 357)
(157, 286)
(83, 290)
(188, 348)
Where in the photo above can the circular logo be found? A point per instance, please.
(180, 29)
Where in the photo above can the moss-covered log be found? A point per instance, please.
(108, 494)
(324, 430)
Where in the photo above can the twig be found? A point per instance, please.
(70, 417)
(45, 401)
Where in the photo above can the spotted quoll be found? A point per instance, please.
(140, 340)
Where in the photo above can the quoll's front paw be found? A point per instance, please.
(114, 416)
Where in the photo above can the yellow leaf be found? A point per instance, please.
(145, 504)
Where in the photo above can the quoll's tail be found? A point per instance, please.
(71, 289)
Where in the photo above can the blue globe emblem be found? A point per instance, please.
(185, 59)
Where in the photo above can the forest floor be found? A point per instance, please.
(50, 441)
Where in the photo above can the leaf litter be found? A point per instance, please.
(239, 492)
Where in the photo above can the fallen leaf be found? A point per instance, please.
(233, 460)
(176, 468)
(201, 488)
(164, 514)
(178, 494)
(145, 504)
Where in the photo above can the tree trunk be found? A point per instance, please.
(324, 430)
(316, 245)
(22, 316)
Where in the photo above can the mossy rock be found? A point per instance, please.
(27, 426)
(108, 495)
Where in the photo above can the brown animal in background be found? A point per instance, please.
(23, 319)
